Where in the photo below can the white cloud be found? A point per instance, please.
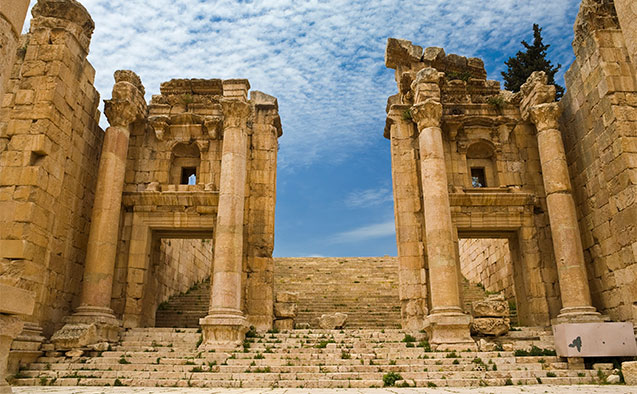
(365, 233)
(368, 198)
(322, 59)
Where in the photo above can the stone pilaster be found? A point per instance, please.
(93, 320)
(567, 244)
(226, 325)
(12, 14)
(260, 211)
(448, 326)
(409, 218)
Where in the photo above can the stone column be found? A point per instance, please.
(448, 326)
(409, 218)
(567, 244)
(225, 326)
(12, 14)
(94, 321)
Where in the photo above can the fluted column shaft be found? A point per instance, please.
(567, 244)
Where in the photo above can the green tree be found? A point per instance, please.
(520, 67)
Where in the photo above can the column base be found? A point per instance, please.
(224, 331)
(88, 325)
(450, 331)
(578, 314)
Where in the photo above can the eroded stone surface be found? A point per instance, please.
(332, 321)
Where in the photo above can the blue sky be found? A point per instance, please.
(323, 60)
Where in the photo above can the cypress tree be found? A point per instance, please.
(520, 67)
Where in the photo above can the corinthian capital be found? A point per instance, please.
(546, 116)
(120, 113)
(427, 114)
(212, 124)
(236, 113)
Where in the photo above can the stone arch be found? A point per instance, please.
(185, 162)
(481, 164)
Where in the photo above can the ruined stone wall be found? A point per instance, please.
(600, 136)
(49, 149)
(12, 14)
(488, 261)
(180, 264)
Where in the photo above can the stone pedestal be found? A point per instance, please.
(223, 332)
(450, 331)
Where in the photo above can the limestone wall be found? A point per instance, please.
(600, 137)
(49, 149)
(12, 14)
(488, 261)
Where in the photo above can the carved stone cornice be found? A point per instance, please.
(68, 10)
(235, 113)
(427, 114)
(546, 116)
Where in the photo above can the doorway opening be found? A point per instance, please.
(487, 267)
(178, 282)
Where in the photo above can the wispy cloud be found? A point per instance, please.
(322, 59)
(365, 233)
(369, 198)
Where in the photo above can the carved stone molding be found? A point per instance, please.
(159, 125)
(120, 113)
(70, 10)
(546, 116)
(427, 114)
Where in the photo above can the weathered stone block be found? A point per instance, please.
(629, 370)
(285, 309)
(75, 335)
(490, 326)
(284, 324)
(332, 321)
(287, 296)
(492, 306)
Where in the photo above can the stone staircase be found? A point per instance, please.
(366, 289)
(300, 358)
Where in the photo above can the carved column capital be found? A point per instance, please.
(427, 114)
(546, 116)
(235, 113)
(120, 112)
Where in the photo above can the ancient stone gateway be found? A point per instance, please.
(472, 161)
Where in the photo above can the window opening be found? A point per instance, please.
(478, 178)
(189, 176)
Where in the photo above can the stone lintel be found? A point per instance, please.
(600, 339)
(207, 87)
(15, 301)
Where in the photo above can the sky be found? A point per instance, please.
(323, 60)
